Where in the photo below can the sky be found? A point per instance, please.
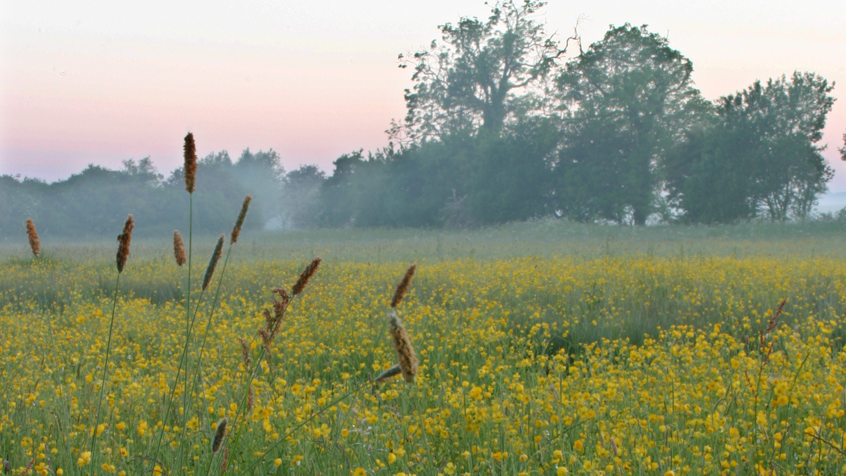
(103, 81)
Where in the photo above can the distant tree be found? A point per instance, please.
(262, 175)
(763, 147)
(20, 198)
(479, 74)
(337, 193)
(704, 181)
(220, 159)
(301, 197)
(144, 168)
(419, 182)
(843, 149)
(262, 162)
(627, 100)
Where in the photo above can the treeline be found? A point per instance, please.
(95, 201)
(500, 128)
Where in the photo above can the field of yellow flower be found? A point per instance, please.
(591, 365)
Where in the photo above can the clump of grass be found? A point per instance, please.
(273, 319)
(34, 243)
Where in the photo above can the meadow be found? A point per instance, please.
(544, 348)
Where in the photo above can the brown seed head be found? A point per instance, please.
(178, 248)
(219, 433)
(402, 344)
(307, 273)
(218, 250)
(123, 243)
(236, 230)
(402, 287)
(245, 353)
(190, 167)
(225, 463)
(33, 237)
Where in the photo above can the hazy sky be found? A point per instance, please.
(101, 81)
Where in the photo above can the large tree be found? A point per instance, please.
(626, 100)
(480, 74)
(763, 147)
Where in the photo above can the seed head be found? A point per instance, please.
(218, 250)
(402, 287)
(236, 230)
(245, 353)
(190, 167)
(225, 463)
(219, 433)
(307, 273)
(402, 344)
(33, 237)
(178, 248)
(123, 240)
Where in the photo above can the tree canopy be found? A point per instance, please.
(480, 74)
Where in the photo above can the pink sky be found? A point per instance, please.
(99, 82)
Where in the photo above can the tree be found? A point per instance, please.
(511, 180)
(479, 75)
(337, 197)
(626, 101)
(262, 175)
(300, 197)
(704, 181)
(763, 144)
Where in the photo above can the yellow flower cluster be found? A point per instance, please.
(560, 366)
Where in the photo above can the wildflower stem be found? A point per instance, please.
(105, 374)
(202, 344)
(187, 322)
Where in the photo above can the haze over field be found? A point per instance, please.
(595, 260)
(99, 82)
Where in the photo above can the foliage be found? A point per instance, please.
(300, 197)
(457, 181)
(95, 201)
(480, 75)
(759, 157)
(628, 98)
